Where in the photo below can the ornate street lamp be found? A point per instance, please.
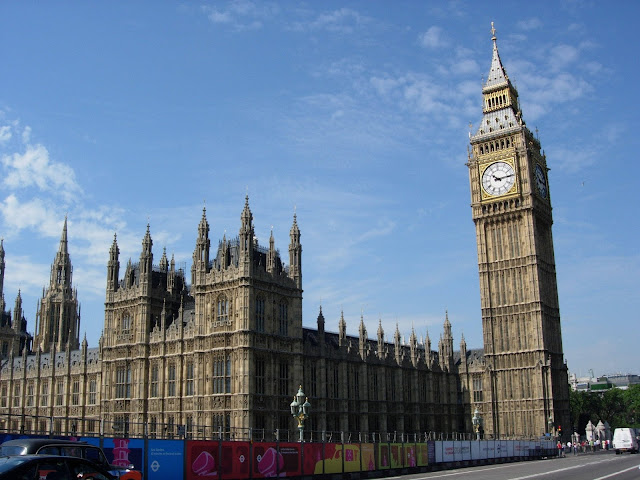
(300, 411)
(477, 423)
(550, 425)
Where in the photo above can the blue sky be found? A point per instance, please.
(355, 115)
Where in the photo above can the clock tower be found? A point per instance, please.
(525, 382)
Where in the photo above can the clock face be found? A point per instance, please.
(541, 181)
(498, 178)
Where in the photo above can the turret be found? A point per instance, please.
(164, 263)
(246, 239)
(413, 345)
(463, 351)
(61, 267)
(397, 345)
(146, 259)
(271, 257)
(381, 349)
(58, 318)
(321, 325)
(362, 344)
(295, 254)
(201, 252)
(113, 266)
(17, 314)
(342, 331)
(446, 346)
(171, 276)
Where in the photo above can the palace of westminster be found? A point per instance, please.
(227, 350)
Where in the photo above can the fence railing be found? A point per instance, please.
(100, 427)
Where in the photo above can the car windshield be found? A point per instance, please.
(12, 450)
(7, 463)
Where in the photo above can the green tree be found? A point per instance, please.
(632, 402)
(585, 407)
(613, 408)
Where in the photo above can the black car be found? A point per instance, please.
(50, 467)
(50, 446)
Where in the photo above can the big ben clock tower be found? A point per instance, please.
(525, 382)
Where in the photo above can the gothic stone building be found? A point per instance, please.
(226, 351)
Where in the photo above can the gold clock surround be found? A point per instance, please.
(482, 169)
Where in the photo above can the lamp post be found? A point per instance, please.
(300, 410)
(550, 425)
(477, 423)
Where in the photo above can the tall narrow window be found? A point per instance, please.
(260, 371)
(16, 396)
(283, 380)
(222, 375)
(154, 381)
(75, 393)
(227, 375)
(92, 392)
(223, 309)
(123, 382)
(59, 392)
(283, 319)
(44, 400)
(313, 373)
(189, 386)
(30, 394)
(153, 426)
(171, 386)
(260, 314)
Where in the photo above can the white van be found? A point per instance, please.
(625, 440)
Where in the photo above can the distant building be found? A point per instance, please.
(603, 383)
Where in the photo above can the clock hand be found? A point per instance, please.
(499, 179)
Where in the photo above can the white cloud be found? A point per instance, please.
(34, 168)
(432, 38)
(530, 24)
(241, 15)
(5, 134)
(572, 160)
(35, 214)
(22, 273)
(26, 135)
(561, 56)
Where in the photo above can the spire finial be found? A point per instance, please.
(493, 33)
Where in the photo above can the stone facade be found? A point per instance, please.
(226, 351)
(525, 383)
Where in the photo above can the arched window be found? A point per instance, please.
(126, 323)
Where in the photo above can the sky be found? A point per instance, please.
(355, 116)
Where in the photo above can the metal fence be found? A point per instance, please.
(100, 427)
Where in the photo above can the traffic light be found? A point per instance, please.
(559, 430)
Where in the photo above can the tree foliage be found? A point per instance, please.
(619, 408)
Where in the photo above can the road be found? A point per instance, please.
(598, 466)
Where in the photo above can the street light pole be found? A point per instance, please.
(300, 410)
(477, 423)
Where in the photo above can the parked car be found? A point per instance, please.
(50, 467)
(50, 446)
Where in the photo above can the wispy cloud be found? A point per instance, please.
(529, 24)
(241, 15)
(432, 38)
(343, 21)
